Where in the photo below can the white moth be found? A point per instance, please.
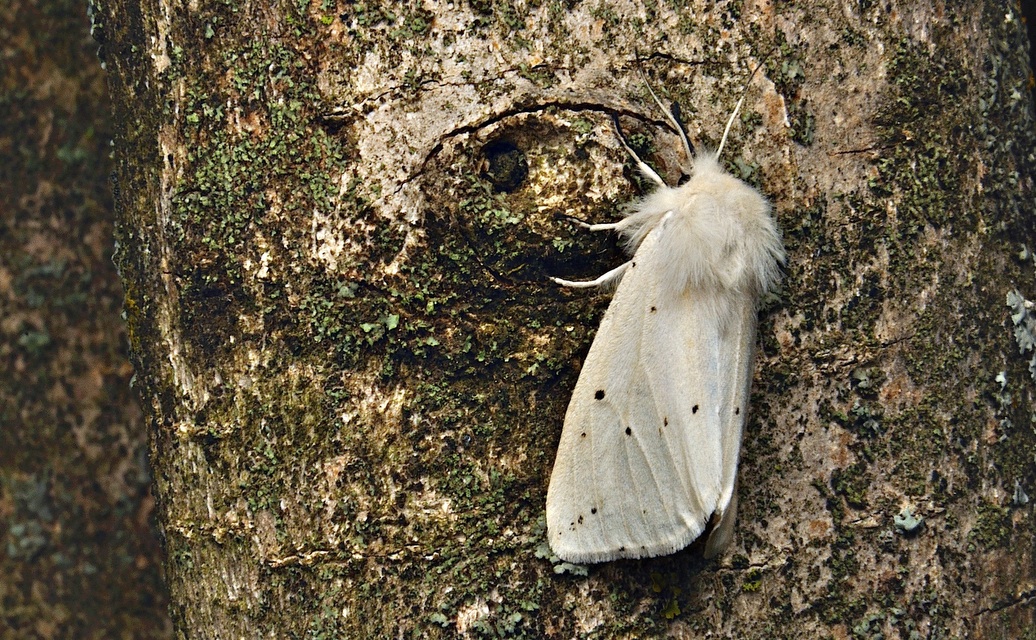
(649, 450)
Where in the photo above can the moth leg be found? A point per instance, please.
(607, 279)
(609, 226)
(606, 226)
(644, 168)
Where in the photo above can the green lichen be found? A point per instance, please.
(992, 526)
(752, 581)
(852, 483)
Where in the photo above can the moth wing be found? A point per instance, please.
(740, 354)
(648, 451)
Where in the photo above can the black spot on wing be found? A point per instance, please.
(737, 411)
(599, 395)
(593, 510)
(629, 431)
(654, 309)
(694, 409)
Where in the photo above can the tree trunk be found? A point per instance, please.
(336, 227)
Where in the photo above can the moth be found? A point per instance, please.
(649, 450)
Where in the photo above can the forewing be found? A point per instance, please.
(645, 449)
(740, 348)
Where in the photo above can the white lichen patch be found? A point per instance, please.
(589, 613)
(159, 40)
(1024, 327)
(258, 264)
(471, 614)
(327, 241)
(373, 405)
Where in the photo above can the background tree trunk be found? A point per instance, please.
(356, 369)
(78, 555)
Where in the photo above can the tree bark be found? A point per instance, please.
(336, 225)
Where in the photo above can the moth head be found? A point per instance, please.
(734, 222)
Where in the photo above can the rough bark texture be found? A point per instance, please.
(78, 555)
(356, 370)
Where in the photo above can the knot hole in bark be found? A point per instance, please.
(505, 165)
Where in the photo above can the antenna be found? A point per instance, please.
(673, 115)
(737, 107)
